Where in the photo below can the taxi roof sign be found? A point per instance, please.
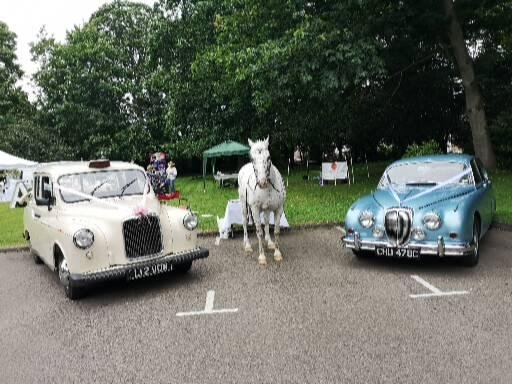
(98, 164)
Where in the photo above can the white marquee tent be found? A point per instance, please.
(8, 161)
(10, 187)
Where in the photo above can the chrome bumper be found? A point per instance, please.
(121, 271)
(440, 248)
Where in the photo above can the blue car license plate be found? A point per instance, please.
(148, 271)
(408, 253)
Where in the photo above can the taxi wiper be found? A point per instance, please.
(98, 187)
(125, 187)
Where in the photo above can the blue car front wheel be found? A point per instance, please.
(471, 260)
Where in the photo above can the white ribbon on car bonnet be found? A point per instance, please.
(429, 190)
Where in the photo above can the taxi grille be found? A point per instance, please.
(398, 225)
(142, 236)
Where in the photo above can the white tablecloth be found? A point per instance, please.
(221, 177)
(335, 170)
(233, 215)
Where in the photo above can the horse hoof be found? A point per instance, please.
(277, 255)
(262, 260)
(271, 245)
(248, 248)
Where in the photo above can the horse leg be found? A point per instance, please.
(247, 243)
(277, 228)
(270, 244)
(259, 231)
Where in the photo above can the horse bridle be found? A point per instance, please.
(256, 176)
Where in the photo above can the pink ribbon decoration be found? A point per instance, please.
(140, 211)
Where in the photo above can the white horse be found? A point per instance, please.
(261, 189)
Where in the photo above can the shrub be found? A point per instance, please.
(387, 151)
(430, 147)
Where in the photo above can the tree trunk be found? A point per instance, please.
(474, 101)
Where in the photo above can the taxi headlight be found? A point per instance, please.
(366, 219)
(432, 221)
(83, 238)
(190, 221)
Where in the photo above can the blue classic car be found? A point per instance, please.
(439, 205)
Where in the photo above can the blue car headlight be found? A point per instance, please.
(432, 221)
(366, 219)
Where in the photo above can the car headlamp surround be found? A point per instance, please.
(367, 219)
(378, 232)
(432, 221)
(418, 234)
(190, 221)
(83, 238)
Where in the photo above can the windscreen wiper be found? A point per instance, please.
(421, 184)
(126, 186)
(98, 187)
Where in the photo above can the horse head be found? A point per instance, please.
(260, 158)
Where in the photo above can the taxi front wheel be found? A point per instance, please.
(73, 293)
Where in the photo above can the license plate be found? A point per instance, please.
(409, 253)
(148, 271)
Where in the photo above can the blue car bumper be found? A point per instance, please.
(439, 248)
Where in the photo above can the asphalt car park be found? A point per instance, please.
(321, 315)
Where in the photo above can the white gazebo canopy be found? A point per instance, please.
(8, 161)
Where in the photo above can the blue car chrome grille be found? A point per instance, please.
(397, 223)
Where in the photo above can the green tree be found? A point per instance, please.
(474, 100)
(15, 109)
(97, 92)
(188, 74)
(183, 30)
(489, 29)
(275, 67)
(12, 99)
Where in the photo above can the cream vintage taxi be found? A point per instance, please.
(100, 220)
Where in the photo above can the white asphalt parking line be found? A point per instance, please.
(215, 311)
(426, 284)
(210, 297)
(340, 229)
(453, 293)
(436, 292)
(208, 308)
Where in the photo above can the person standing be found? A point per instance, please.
(172, 173)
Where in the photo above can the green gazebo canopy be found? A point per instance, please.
(227, 148)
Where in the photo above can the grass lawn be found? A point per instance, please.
(502, 183)
(11, 226)
(307, 201)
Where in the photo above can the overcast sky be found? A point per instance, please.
(26, 17)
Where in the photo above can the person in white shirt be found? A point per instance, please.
(171, 176)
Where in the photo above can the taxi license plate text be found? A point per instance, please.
(148, 271)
